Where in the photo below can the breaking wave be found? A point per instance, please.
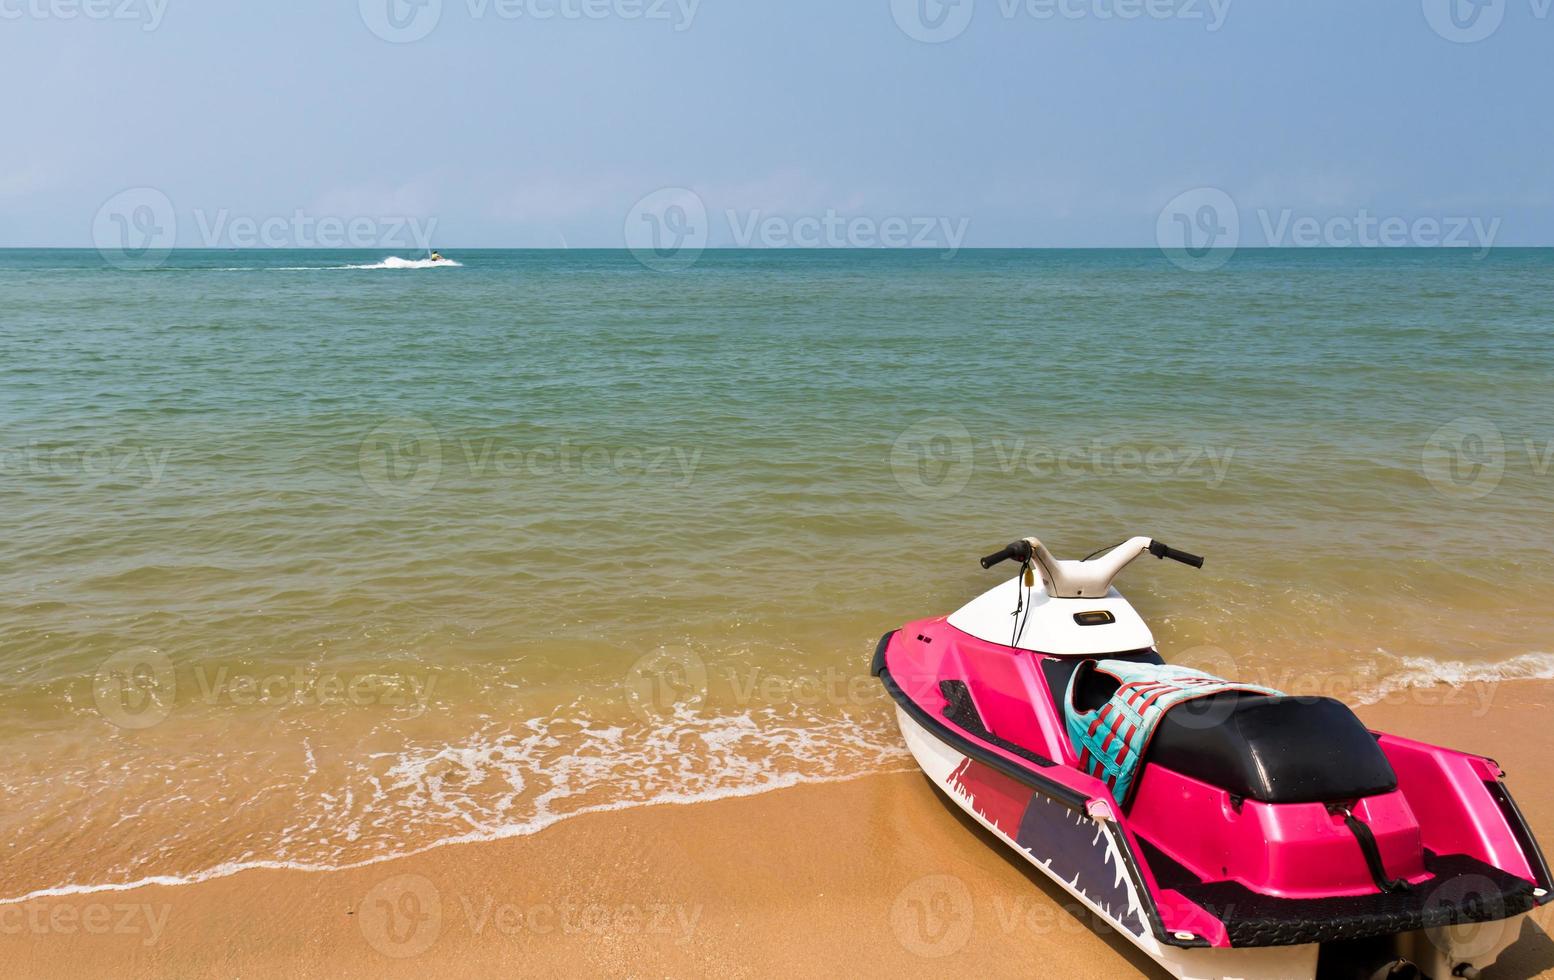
(1415, 672)
(510, 781)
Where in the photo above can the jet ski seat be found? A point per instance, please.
(1273, 749)
(1269, 748)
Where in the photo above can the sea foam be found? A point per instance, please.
(395, 262)
(1416, 672)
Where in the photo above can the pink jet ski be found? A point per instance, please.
(1226, 830)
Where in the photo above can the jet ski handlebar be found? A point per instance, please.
(1166, 551)
(1091, 577)
(1018, 550)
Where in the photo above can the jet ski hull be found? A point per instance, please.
(1028, 794)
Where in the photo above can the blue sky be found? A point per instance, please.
(1037, 123)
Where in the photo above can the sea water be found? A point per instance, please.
(308, 558)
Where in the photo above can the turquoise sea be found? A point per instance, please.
(308, 564)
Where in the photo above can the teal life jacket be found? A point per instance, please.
(1112, 740)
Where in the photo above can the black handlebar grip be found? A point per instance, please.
(996, 557)
(1187, 558)
(1017, 549)
(1166, 551)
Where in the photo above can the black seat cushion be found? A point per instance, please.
(1273, 749)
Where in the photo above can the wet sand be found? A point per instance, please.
(875, 876)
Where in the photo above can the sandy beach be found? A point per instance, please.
(873, 876)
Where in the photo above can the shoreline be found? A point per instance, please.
(850, 874)
(232, 869)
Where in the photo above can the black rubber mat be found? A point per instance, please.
(1463, 890)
